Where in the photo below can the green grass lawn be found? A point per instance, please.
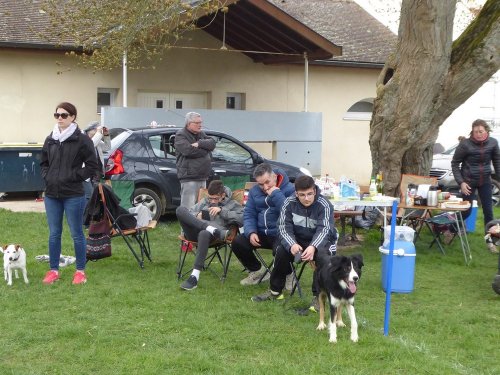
(131, 321)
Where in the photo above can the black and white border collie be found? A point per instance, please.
(337, 279)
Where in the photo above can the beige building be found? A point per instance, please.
(36, 76)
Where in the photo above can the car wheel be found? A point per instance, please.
(150, 199)
(495, 192)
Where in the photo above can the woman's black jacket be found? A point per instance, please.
(65, 165)
(472, 161)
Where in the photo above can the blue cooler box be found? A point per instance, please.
(403, 267)
(470, 222)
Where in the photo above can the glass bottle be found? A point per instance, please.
(380, 183)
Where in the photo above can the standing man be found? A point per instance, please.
(259, 219)
(305, 227)
(194, 158)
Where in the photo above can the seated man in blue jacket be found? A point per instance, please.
(305, 227)
(259, 219)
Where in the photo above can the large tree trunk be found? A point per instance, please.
(425, 80)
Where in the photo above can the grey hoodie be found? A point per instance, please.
(231, 211)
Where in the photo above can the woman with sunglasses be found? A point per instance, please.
(68, 158)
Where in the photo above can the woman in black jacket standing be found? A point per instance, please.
(68, 159)
(471, 166)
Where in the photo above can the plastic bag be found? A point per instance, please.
(327, 185)
(348, 188)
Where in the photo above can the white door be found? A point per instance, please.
(153, 100)
(170, 100)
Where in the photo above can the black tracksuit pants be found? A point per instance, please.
(194, 230)
(282, 267)
(243, 250)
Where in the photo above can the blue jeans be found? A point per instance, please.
(55, 209)
(485, 194)
(88, 187)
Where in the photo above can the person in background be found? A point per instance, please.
(493, 236)
(68, 159)
(471, 166)
(194, 158)
(496, 280)
(102, 142)
(260, 217)
(305, 228)
(206, 221)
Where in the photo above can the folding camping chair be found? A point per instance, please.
(123, 224)
(440, 224)
(256, 250)
(221, 250)
(296, 277)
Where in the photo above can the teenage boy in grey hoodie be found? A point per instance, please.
(206, 221)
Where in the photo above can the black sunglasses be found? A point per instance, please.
(63, 115)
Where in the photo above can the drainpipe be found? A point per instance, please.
(124, 84)
(306, 80)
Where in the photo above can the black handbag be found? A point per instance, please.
(98, 246)
(99, 239)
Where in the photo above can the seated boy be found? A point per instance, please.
(206, 221)
(305, 227)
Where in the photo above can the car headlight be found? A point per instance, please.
(305, 171)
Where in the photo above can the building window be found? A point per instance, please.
(159, 104)
(360, 111)
(235, 100)
(105, 98)
(178, 104)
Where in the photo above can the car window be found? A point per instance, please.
(156, 145)
(228, 151)
(450, 151)
(169, 145)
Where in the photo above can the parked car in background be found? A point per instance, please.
(441, 168)
(147, 157)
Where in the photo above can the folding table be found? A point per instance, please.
(459, 221)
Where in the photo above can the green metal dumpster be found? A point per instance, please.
(20, 167)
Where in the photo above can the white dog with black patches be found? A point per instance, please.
(14, 258)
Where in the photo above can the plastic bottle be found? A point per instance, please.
(373, 188)
(336, 192)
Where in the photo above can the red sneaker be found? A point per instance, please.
(79, 278)
(51, 277)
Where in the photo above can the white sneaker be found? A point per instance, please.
(290, 282)
(254, 277)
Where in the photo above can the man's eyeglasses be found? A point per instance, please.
(216, 198)
(197, 122)
(63, 115)
(306, 195)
